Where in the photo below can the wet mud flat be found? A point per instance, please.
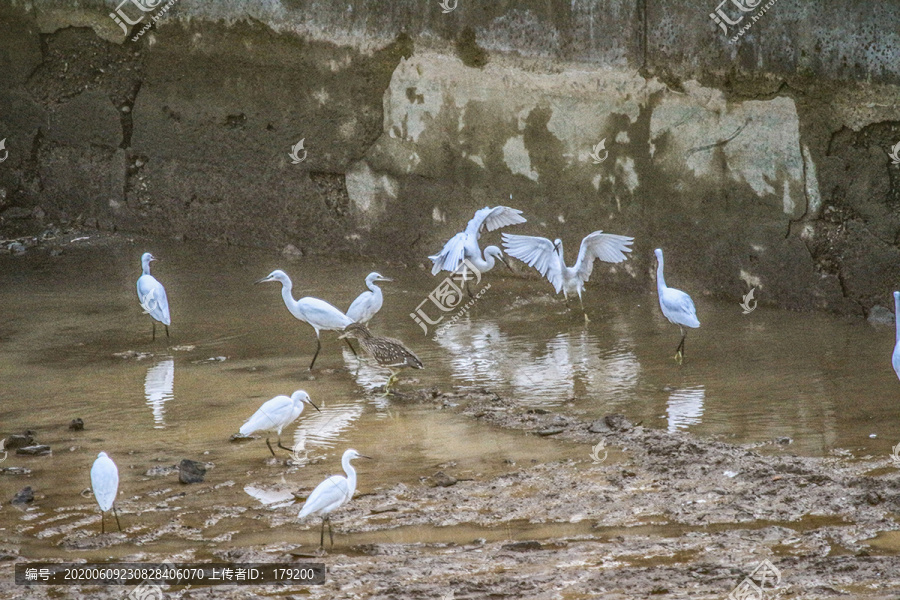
(648, 513)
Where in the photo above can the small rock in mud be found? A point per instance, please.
(386, 508)
(550, 431)
(36, 450)
(522, 546)
(19, 441)
(292, 252)
(191, 471)
(160, 471)
(440, 479)
(24, 496)
(77, 424)
(880, 315)
(16, 247)
(14, 471)
(617, 422)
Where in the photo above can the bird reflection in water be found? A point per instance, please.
(159, 387)
(685, 407)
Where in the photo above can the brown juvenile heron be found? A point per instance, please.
(387, 352)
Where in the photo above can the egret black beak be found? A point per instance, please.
(503, 260)
(313, 405)
(385, 279)
(263, 280)
(361, 456)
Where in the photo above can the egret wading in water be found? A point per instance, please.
(387, 352)
(547, 258)
(105, 485)
(276, 414)
(895, 359)
(332, 494)
(317, 313)
(152, 296)
(464, 245)
(368, 303)
(676, 306)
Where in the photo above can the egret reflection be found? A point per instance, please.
(325, 427)
(569, 365)
(159, 385)
(685, 407)
(270, 497)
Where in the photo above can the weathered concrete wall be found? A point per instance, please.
(760, 162)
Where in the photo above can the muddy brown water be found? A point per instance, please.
(74, 343)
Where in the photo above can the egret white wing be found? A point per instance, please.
(364, 307)
(536, 252)
(322, 315)
(104, 482)
(494, 218)
(328, 495)
(679, 308)
(271, 416)
(608, 247)
(152, 296)
(451, 255)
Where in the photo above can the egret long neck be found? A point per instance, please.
(372, 287)
(351, 476)
(287, 296)
(660, 280)
(145, 267)
(897, 315)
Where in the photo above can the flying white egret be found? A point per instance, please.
(105, 485)
(465, 243)
(317, 313)
(331, 494)
(547, 258)
(152, 295)
(368, 303)
(676, 306)
(895, 359)
(276, 414)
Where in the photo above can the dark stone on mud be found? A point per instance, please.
(385, 509)
(551, 431)
(36, 450)
(874, 498)
(77, 424)
(14, 471)
(191, 471)
(441, 479)
(617, 422)
(523, 546)
(784, 441)
(24, 496)
(880, 315)
(19, 441)
(537, 411)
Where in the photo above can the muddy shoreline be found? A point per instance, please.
(650, 513)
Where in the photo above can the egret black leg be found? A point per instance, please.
(322, 535)
(283, 447)
(316, 355)
(330, 533)
(352, 349)
(153, 339)
(580, 301)
(102, 524)
(116, 514)
(167, 332)
(679, 352)
(270, 447)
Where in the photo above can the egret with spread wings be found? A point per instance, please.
(464, 245)
(547, 258)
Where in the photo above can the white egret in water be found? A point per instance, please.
(332, 494)
(152, 295)
(368, 303)
(105, 485)
(317, 313)
(276, 414)
(547, 258)
(464, 245)
(895, 359)
(676, 306)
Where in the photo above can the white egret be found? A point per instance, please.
(368, 303)
(547, 258)
(676, 306)
(895, 359)
(152, 295)
(276, 414)
(317, 313)
(332, 494)
(465, 243)
(105, 485)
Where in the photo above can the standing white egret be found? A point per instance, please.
(105, 485)
(332, 494)
(676, 306)
(895, 359)
(317, 313)
(152, 295)
(465, 243)
(368, 303)
(547, 258)
(276, 414)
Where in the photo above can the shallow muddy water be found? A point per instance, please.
(74, 343)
